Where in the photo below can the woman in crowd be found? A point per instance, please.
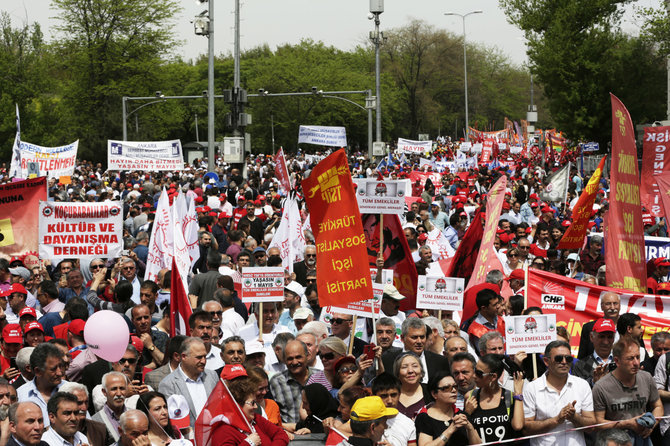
(330, 351)
(413, 394)
(440, 425)
(262, 432)
(451, 328)
(317, 406)
(346, 398)
(154, 405)
(266, 407)
(123, 291)
(496, 413)
(513, 261)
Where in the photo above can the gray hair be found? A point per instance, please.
(230, 339)
(307, 333)
(282, 339)
(596, 239)
(411, 323)
(486, 337)
(187, 343)
(656, 338)
(494, 276)
(23, 358)
(434, 324)
(335, 344)
(425, 248)
(131, 414)
(111, 374)
(141, 236)
(401, 357)
(618, 436)
(71, 387)
(317, 328)
(202, 307)
(15, 407)
(386, 322)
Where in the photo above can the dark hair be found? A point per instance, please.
(43, 351)
(143, 405)
(617, 350)
(385, 381)
(516, 302)
(123, 291)
(464, 356)
(49, 288)
(626, 320)
(225, 282)
(173, 346)
(226, 301)
(151, 285)
(529, 309)
(213, 259)
(55, 400)
(435, 380)
(485, 296)
(494, 363)
(555, 344)
(240, 389)
(350, 395)
(76, 308)
(198, 315)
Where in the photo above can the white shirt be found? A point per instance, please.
(214, 361)
(400, 430)
(231, 323)
(197, 391)
(250, 333)
(541, 402)
(29, 392)
(52, 437)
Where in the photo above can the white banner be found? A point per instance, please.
(440, 293)
(380, 197)
(363, 308)
(161, 243)
(529, 334)
(409, 146)
(145, 155)
(323, 135)
(289, 237)
(54, 162)
(439, 244)
(82, 230)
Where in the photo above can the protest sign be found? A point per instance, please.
(380, 197)
(262, 284)
(323, 135)
(84, 230)
(18, 230)
(145, 155)
(54, 162)
(655, 161)
(387, 276)
(281, 171)
(624, 239)
(529, 334)
(410, 146)
(440, 293)
(421, 177)
(364, 308)
(344, 274)
(594, 146)
(161, 246)
(290, 236)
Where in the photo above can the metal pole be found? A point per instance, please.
(465, 68)
(197, 134)
(137, 126)
(272, 123)
(211, 160)
(236, 75)
(369, 127)
(378, 111)
(123, 112)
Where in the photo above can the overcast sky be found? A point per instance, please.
(341, 23)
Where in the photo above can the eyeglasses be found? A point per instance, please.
(523, 247)
(259, 256)
(128, 268)
(251, 403)
(351, 369)
(339, 320)
(481, 374)
(563, 358)
(538, 264)
(310, 255)
(327, 356)
(96, 266)
(512, 255)
(216, 313)
(128, 360)
(447, 388)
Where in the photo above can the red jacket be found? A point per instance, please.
(271, 435)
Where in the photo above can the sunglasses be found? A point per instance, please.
(512, 255)
(128, 268)
(538, 264)
(310, 255)
(351, 369)
(481, 374)
(128, 360)
(563, 358)
(447, 388)
(339, 320)
(96, 266)
(327, 356)
(216, 313)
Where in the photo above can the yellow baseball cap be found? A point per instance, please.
(371, 408)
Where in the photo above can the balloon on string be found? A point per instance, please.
(106, 334)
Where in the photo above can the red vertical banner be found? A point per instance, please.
(341, 260)
(624, 241)
(19, 215)
(655, 161)
(487, 259)
(663, 181)
(581, 213)
(281, 171)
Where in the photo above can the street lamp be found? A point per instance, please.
(376, 8)
(204, 26)
(465, 69)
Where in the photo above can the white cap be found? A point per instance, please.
(253, 347)
(178, 410)
(295, 287)
(302, 313)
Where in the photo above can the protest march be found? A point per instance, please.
(450, 292)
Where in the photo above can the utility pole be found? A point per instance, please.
(376, 8)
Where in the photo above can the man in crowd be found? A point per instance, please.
(63, 410)
(114, 388)
(592, 259)
(400, 430)
(154, 340)
(660, 345)
(134, 429)
(310, 340)
(231, 321)
(455, 345)
(204, 284)
(601, 361)
(488, 305)
(308, 265)
(340, 326)
(368, 420)
(463, 371)
(386, 334)
(233, 351)
(95, 432)
(610, 305)
(200, 323)
(153, 378)
(293, 293)
(26, 424)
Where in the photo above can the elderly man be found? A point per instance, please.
(114, 388)
(386, 334)
(63, 411)
(191, 379)
(201, 327)
(601, 361)
(340, 326)
(75, 287)
(133, 429)
(270, 328)
(128, 270)
(95, 432)
(311, 341)
(233, 351)
(26, 425)
(390, 307)
(308, 265)
(610, 305)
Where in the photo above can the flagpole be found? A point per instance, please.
(352, 334)
(260, 322)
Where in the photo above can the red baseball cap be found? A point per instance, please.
(33, 326)
(12, 334)
(17, 288)
(27, 311)
(661, 261)
(604, 325)
(76, 327)
(232, 371)
(224, 215)
(517, 274)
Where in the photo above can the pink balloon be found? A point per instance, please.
(106, 334)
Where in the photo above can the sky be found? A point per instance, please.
(342, 23)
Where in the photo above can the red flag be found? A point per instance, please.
(180, 307)
(221, 407)
(281, 171)
(19, 230)
(581, 213)
(397, 255)
(624, 241)
(655, 161)
(663, 181)
(335, 437)
(463, 262)
(344, 275)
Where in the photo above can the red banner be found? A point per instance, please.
(663, 181)
(575, 302)
(435, 177)
(344, 274)
(19, 230)
(487, 152)
(655, 161)
(397, 255)
(581, 213)
(221, 408)
(281, 171)
(624, 241)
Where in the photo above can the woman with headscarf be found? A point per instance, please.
(317, 405)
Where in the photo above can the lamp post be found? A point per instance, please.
(376, 8)
(465, 69)
(204, 26)
(160, 98)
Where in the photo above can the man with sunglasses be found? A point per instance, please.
(308, 265)
(260, 256)
(340, 326)
(557, 401)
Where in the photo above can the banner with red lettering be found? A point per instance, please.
(663, 181)
(655, 161)
(161, 242)
(581, 213)
(18, 230)
(83, 230)
(624, 241)
(575, 302)
(416, 147)
(54, 162)
(344, 275)
(487, 152)
(281, 171)
(397, 255)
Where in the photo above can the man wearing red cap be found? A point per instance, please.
(16, 298)
(659, 274)
(220, 231)
(595, 366)
(12, 341)
(517, 280)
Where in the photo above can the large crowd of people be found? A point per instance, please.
(406, 378)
